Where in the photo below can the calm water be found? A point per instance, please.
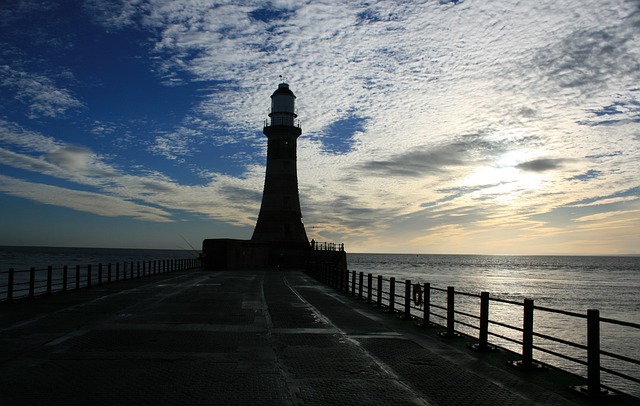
(41, 257)
(576, 283)
(609, 284)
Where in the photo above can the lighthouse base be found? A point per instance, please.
(226, 253)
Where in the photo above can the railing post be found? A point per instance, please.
(407, 299)
(451, 311)
(88, 276)
(353, 282)
(109, 272)
(49, 279)
(527, 334)
(593, 352)
(483, 338)
(10, 285)
(346, 280)
(379, 299)
(65, 278)
(144, 268)
(77, 277)
(32, 282)
(99, 274)
(117, 271)
(124, 271)
(369, 287)
(426, 303)
(361, 280)
(138, 271)
(392, 294)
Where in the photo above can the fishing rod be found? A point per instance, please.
(185, 240)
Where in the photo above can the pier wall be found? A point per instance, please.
(225, 253)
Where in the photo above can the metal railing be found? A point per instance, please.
(419, 302)
(283, 121)
(18, 284)
(326, 246)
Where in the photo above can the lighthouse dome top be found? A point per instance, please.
(283, 89)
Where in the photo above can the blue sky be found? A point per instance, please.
(428, 126)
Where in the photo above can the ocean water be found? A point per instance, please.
(568, 283)
(574, 283)
(21, 258)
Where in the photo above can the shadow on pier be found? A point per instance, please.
(239, 337)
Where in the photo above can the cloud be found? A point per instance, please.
(71, 158)
(118, 14)
(24, 139)
(542, 164)
(101, 128)
(608, 215)
(590, 174)
(587, 59)
(605, 201)
(88, 202)
(416, 163)
(39, 93)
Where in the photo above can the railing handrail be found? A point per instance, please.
(326, 246)
(281, 121)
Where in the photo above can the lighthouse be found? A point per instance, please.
(280, 219)
(279, 239)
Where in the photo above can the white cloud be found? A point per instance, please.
(89, 202)
(612, 200)
(38, 92)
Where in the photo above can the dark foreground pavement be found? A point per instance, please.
(237, 337)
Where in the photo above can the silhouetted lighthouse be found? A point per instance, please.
(280, 218)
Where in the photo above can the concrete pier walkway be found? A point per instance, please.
(238, 337)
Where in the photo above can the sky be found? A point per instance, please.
(442, 127)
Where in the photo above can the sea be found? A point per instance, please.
(610, 284)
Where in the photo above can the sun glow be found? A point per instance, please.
(503, 180)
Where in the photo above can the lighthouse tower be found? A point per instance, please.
(280, 219)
